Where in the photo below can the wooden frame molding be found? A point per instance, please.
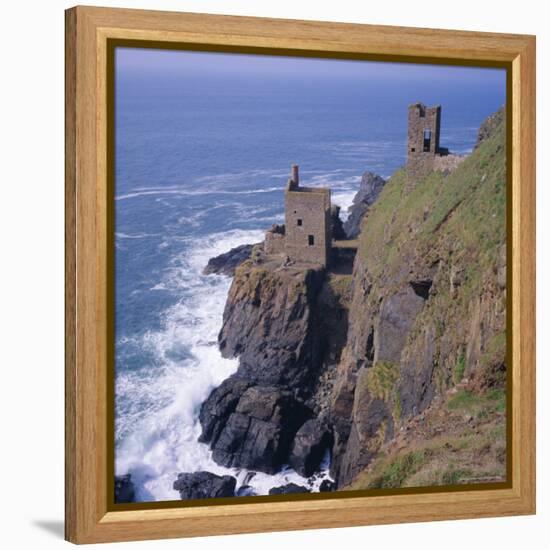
(89, 518)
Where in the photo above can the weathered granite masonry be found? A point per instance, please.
(275, 239)
(423, 151)
(306, 235)
(422, 139)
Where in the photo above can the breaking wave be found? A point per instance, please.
(157, 425)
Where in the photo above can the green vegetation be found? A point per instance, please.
(459, 369)
(451, 230)
(340, 286)
(398, 470)
(464, 400)
(381, 379)
(397, 406)
(492, 360)
(464, 212)
(456, 224)
(498, 396)
(475, 404)
(470, 447)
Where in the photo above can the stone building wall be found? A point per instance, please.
(306, 235)
(307, 224)
(275, 240)
(424, 124)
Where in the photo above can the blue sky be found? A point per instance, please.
(138, 61)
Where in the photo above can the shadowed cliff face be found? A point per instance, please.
(271, 322)
(369, 189)
(429, 304)
(351, 361)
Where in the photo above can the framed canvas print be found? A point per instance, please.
(300, 274)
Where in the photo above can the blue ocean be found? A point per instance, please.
(204, 144)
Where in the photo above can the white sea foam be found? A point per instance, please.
(186, 192)
(344, 200)
(157, 436)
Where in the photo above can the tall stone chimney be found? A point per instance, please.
(294, 176)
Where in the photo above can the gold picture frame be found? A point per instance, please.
(91, 35)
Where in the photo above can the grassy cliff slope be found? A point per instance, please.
(427, 325)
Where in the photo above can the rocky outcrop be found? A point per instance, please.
(270, 323)
(310, 444)
(336, 225)
(369, 189)
(219, 406)
(490, 125)
(199, 485)
(344, 360)
(124, 489)
(258, 433)
(428, 304)
(226, 263)
(245, 491)
(327, 486)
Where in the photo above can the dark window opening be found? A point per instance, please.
(299, 222)
(413, 149)
(427, 140)
(310, 240)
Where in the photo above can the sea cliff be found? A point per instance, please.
(391, 366)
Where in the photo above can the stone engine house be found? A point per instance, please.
(424, 153)
(306, 235)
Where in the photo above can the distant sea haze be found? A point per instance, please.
(201, 164)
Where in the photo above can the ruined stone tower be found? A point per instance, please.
(306, 235)
(422, 139)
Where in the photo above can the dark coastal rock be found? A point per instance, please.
(245, 491)
(336, 225)
(219, 406)
(309, 446)
(288, 489)
(270, 323)
(327, 486)
(124, 489)
(369, 189)
(259, 430)
(283, 323)
(379, 330)
(372, 421)
(397, 314)
(248, 477)
(414, 328)
(417, 386)
(226, 263)
(204, 485)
